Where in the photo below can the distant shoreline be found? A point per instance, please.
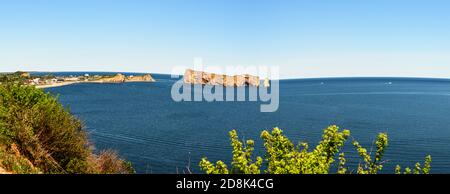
(54, 85)
(280, 79)
(394, 78)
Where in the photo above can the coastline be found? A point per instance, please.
(45, 82)
(53, 85)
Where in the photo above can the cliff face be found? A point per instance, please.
(143, 78)
(199, 77)
(24, 74)
(119, 78)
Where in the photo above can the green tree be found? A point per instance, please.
(283, 157)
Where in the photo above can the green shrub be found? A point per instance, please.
(417, 168)
(110, 163)
(283, 157)
(16, 163)
(45, 133)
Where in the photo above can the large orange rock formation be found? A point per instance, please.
(199, 77)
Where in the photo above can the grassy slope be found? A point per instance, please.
(37, 135)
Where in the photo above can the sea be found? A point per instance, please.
(158, 135)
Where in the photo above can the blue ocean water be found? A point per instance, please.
(159, 135)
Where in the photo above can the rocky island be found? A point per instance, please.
(200, 77)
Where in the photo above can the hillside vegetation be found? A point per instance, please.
(38, 135)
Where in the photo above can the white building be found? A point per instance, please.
(36, 81)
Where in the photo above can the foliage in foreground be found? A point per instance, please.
(283, 157)
(37, 135)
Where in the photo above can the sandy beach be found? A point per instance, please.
(56, 85)
(77, 82)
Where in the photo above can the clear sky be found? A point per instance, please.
(305, 38)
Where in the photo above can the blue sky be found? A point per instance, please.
(305, 38)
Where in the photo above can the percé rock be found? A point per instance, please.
(143, 78)
(199, 77)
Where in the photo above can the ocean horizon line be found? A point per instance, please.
(281, 79)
